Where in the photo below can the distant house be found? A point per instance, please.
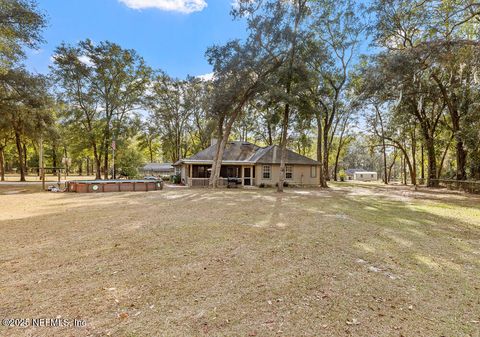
(158, 169)
(361, 175)
(250, 164)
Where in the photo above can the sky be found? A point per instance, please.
(171, 35)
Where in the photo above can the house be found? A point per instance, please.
(158, 169)
(250, 164)
(350, 173)
(365, 176)
(361, 175)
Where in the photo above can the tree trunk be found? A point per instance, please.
(98, 166)
(54, 159)
(150, 150)
(25, 158)
(217, 162)
(213, 183)
(283, 149)
(88, 166)
(432, 163)
(105, 162)
(384, 147)
(461, 156)
(269, 130)
(440, 167)
(391, 166)
(326, 172)
(2, 163)
(18, 143)
(323, 182)
(422, 166)
(385, 173)
(413, 169)
(452, 104)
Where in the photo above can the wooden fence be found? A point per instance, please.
(461, 185)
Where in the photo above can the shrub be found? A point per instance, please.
(128, 161)
(342, 175)
(175, 179)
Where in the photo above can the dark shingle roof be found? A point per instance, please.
(245, 151)
(158, 167)
(351, 172)
(272, 155)
(234, 151)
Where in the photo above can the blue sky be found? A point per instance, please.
(171, 35)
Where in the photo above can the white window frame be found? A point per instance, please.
(313, 171)
(267, 169)
(288, 170)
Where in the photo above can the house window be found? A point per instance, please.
(267, 171)
(288, 171)
(313, 172)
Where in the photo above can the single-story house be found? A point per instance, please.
(351, 173)
(250, 164)
(158, 169)
(365, 176)
(361, 175)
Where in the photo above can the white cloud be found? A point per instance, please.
(206, 77)
(182, 6)
(86, 60)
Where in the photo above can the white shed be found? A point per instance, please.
(365, 176)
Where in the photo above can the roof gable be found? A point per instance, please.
(272, 155)
(234, 151)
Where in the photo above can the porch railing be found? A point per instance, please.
(204, 182)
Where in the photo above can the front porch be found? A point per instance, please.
(198, 175)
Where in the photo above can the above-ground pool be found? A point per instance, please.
(97, 186)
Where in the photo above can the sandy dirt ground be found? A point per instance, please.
(353, 260)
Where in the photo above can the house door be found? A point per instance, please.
(247, 176)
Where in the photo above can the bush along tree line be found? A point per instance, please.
(386, 85)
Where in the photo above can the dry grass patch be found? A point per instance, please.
(353, 260)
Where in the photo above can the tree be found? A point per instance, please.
(21, 23)
(128, 161)
(241, 71)
(170, 114)
(439, 38)
(248, 69)
(25, 104)
(338, 29)
(103, 85)
(148, 139)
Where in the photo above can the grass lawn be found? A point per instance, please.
(359, 260)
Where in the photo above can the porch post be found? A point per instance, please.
(252, 181)
(242, 175)
(191, 175)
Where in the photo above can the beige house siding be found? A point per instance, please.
(365, 176)
(301, 175)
